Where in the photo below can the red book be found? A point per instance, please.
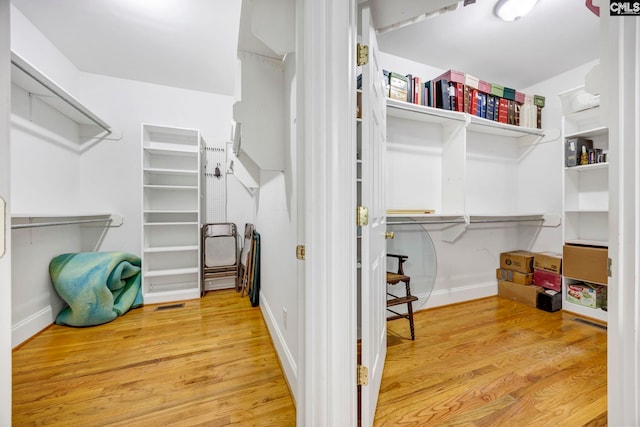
(473, 110)
(459, 97)
(417, 93)
(503, 110)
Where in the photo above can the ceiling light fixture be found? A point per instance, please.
(512, 10)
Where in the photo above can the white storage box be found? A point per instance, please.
(577, 99)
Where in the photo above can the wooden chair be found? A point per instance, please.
(408, 299)
(245, 270)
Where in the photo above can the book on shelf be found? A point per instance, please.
(466, 99)
(442, 94)
(474, 102)
(503, 110)
(491, 103)
(409, 88)
(417, 84)
(452, 96)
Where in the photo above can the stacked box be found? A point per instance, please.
(514, 276)
(520, 261)
(550, 300)
(517, 266)
(587, 294)
(547, 270)
(525, 294)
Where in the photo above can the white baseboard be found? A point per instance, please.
(456, 295)
(286, 358)
(25, 329)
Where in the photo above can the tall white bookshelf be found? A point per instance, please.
(172, 212)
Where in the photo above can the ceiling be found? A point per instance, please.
(176, 42)
(556, 36)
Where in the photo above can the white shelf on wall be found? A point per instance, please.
(33, 220)
(37, 84)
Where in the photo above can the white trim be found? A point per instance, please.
(621, 102)
(26, 328)
(288, 362)
(458, 294)
(330, 265)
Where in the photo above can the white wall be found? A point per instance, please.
(5, 256)
(268, 136)
(541, 170)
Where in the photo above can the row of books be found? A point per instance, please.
(461, 92)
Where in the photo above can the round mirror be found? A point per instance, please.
(413, 240)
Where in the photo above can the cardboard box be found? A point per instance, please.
(547, 280)
(548, 261)
(587, 263)
(514, 276)
(587, 294)
(521, 261)
(525, 294)
(550, 300)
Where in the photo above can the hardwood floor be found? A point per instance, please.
(210, 363)
(494, 362)
(490, 362)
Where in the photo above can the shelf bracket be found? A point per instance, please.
(451, 233)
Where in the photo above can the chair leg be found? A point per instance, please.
(410, 310)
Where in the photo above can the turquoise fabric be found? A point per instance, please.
(97, 286)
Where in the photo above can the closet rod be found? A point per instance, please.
(425, 222)
(476, 221)
(70, 222)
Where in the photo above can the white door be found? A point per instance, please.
(373, 255)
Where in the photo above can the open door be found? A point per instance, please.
(373, 250)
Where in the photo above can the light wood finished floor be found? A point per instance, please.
(494, 362)
(210, 363)
(490, 362)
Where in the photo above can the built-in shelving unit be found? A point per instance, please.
(586, 198)
(459, 150)
(172, 188)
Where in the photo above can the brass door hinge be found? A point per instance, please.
(362, 216)
(362, 54)
(300, 252)
(363, 375)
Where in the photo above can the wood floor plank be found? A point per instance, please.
(493, 362)
(489, 362)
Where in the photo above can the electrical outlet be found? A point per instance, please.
(284, 317)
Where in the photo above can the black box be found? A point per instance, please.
(573, 150)
(550, 301)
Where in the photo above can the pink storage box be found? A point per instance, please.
(484, 87)
(452, 76)
(547, 280)
(519, 97)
